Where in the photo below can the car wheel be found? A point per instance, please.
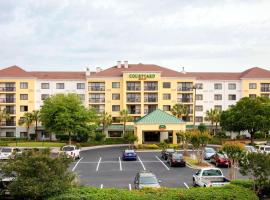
(216, 164)
(193, 183)
(170, 164)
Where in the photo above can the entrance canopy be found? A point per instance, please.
(158, 121)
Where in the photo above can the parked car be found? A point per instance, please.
(250, 149)
(71, 151)
(264, 148)
(129, 154)
(9, 152)
(176, 159)
(220, 159)
(208, 152)
(166, 152)
(208, 177)
(144, 179)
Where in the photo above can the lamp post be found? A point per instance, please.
(194, 110)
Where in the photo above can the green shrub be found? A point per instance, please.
(245, 183)
(259, 135)
(147, 146)
(99, 136)
(229, 192)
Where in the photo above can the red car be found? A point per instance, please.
(220, 159)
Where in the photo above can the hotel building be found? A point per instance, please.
(139, 88)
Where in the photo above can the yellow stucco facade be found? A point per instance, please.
(252, 87)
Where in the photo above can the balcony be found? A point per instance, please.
(97, 88)
(265, 89)
(150, 88)
(8, 123)
(179, 88)
(185, 100)
(147, 111)
(7, 89)
(150, 99)
(7, 100)
(133, 112)
(11, 112)
(95, 100)
(133, 99)
(133, 88)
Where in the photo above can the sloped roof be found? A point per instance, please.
(14, 71)
(117, 72)
(256, 72)
(215, 75)
(159, 117)
(58, 75)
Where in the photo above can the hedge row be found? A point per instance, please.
(229, 192)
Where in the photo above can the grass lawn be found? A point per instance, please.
(36, 144)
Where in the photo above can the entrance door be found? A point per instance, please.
(151, 137)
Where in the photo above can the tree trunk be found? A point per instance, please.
(69, 134)
(216, 128)
(252, 137)
(36, 131)
(124, 128)
(213, 131)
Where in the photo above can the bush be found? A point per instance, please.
(174, 146)
(245, 183)
(229, 192)
(62, 137)
(259, 135)
(99, 136)
(147, 146)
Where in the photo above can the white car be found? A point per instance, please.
(8, 152)
(72, 151)
(264, 148)
(250, 149)
(208, 152)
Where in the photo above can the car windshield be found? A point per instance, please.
(177, 156)
(212, 172)
(267, 149)
(68, 148)
(148, 180)
(250, 148)
(129, 151)
(170, 150)
(209, 150)
(6, 150)
(222, 155)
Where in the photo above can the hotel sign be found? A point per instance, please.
(142, 76)
(162, 127)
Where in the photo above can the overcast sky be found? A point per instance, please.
(206, 35)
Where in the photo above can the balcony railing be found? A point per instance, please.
(137, 111)
(11, 112)
(136, 99)
(97, 88)
(8, 89)
(150, 88)
(179, 88)
(185, 100)
(265, 89)
(147, 111)
(95, 100)
(133, 88)
(8, 123)
(7, 100)
(150, 99)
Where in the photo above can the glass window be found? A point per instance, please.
(198, 119)
(199, 108)
(167, 96)
(166, 107)
(115, 133)
(23, 108)
(217, 97)
(218, 107)
(232, 86)
(23, 96)
(9, 134)
(44, 96)
(166, 85)
(60, 86)
(199, 97)
(24, 85)
(82, 97)
(252, 96)
(45, 86)
(115, 84)
(265, 87)
(252, 86)
(97, 86)
(80, 86)
(116, 96)
(199, 86)
(218, 86)
(115, 108)
(232, 97)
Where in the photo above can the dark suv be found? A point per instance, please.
(146, 179)
(176, 159)
(166, 152)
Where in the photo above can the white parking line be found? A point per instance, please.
(98, 163)
(73, 169)
(101, 186)
(186, 185)
(141, 163)
(120, 164)
(129, 186)
(163, 163)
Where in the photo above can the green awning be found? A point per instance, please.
(118, 127)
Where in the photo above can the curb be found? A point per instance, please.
(103, 146)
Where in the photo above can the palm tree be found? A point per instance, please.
(36, 118)
(180, 111)
(3, 116)
(124, 117)
(213, 115)
(27, 121)
(105, 119)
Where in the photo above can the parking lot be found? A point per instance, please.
(104, 168)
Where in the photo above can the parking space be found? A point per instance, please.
(104, 168)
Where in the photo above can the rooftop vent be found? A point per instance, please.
(126, 64)
(118, 64)
(87, 72)
(183, 70)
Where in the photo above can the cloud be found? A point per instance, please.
(200, 35)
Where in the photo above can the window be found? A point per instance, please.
(115, 84)
(116, 96)
(23, 96)
(232, 86)
(217, 97)
(45, 86)
(252, 96)
(81, 96)
(80, 86)
(10, 134)
(115, 134)
(166, 107)
(134, 86)
(218, 86)
(252, 86)
(198, 119)
(265, 87)
(60, 86)
(232, 97)
(199, 86)
(166, 96)
(23, 134)
(44, 96)
(115, 108)
(199, 97)
(218, 107)
(24, 85)
(97, 86)
(166, 85)
(199, 108)
(23, 108)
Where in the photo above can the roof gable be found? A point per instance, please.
(255, 72)
(14, 71)
(158, 117)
